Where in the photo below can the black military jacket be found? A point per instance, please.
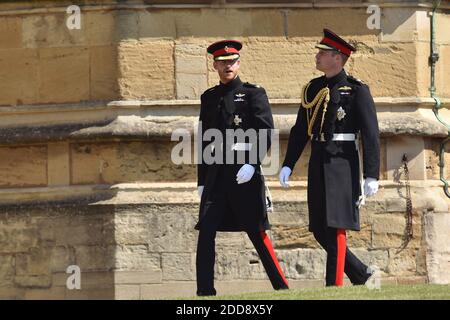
(333, 173)
(235, 106)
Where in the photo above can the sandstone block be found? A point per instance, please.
(402, 262)
(81, 230)
(250, 266)
(61, 258)
(169, 289)
(190, 58)
(91, 294)
(19, 77)
(361, 239)
(24, 238)
(7, 269)
(190, 86)
(134, 228)
(53, 293)
(156, 24)
(437, 239)
(293, 237)
(127, 292)
(302, 22)
(64, 74)
(147, 70)
(100, 27)
(186, 240)
(34, 263)
(136, 258)
(227, 264)
(264, 23)
(389, 232)
(103, 73)
(232, 240)
(399, 25)
(126, 25)
(89, 280)
(23, 167)
(126, 162)
(32, 281)
(58, 164)
(377, 258)
(11, 36)
(95, 258)
(178, 266)
(411, 146)
(386, 68)
(137, 277)
(303, 263)
(50, 31)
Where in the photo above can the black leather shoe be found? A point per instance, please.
(370, 272)
(206, 293)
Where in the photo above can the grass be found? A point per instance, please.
(388, 292)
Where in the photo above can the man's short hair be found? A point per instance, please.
(343, 56)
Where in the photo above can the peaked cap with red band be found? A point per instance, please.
(225, 49)
(332, 41)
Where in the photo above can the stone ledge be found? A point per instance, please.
(137, 5)
(154, 128)
(427, 195)
(417, 102)
(137, 277)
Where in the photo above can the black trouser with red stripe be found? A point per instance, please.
(206, 258)
(339, 258)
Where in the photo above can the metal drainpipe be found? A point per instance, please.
(434, 57)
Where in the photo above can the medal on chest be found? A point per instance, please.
(340, 113)
(237, 121)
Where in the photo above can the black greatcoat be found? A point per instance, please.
(236, 105)
(334, 172)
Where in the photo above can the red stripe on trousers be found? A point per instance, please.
(340, 263)
(269, 247)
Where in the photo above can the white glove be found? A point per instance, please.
(245, 173)
(370, 186)
(200, 190)
(284, 176)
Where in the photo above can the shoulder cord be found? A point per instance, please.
(323, 96)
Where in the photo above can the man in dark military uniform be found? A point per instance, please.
(336, 111)
(233, 194)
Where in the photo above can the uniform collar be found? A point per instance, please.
(233, 84)
(336, 79)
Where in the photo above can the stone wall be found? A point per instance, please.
(128, 245)
(86, 118)
(138, 52)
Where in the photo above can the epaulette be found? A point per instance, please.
(321, 78)
(354, 80)
(251, 85)
(210, 89)
(306, 87)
